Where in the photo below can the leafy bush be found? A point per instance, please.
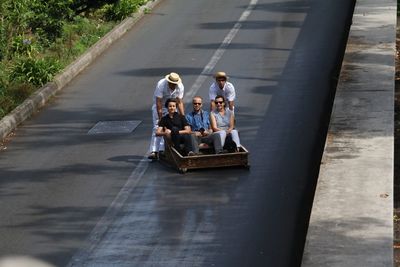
(77, 37)
(87, 6)
(49, 18)
(7, 104)
(40, 37)
(11, 95)
(23, 46)
(14, 17)
(122, 9)
(14, 95)
(34, 71)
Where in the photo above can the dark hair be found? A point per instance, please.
(170, 100)
(220, 96)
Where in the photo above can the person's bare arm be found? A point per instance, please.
(163, 132)
(213, 123)
(231, 105)
(231, 123)
(159, 131)
(186, 130)
(212, 105)
(181, 108)
(159, 107)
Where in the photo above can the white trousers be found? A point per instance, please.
(156, 142)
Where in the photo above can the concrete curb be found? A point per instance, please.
(42, 95)
(351, 223)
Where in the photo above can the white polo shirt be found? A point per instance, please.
(163, 91)
(228, 91)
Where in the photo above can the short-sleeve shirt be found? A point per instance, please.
(198, 120)
(177, 120)
(162, 91)
(228, 91)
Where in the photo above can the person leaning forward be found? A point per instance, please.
(170, 86)
(199, 121)
(175, 127)
(221, 86)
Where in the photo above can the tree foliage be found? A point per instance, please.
(38, 37)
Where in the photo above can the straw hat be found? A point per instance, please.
(173, 78)
(220, 74)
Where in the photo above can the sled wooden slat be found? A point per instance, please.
(183, 163)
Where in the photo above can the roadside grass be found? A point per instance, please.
(22, 75)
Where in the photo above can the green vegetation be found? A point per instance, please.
(38, 38)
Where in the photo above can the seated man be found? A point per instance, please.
(199, 121)
(175, 126)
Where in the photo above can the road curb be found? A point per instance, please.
(45, 93)
(351, 222)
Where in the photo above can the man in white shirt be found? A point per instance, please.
(222, 87)
(169, 87)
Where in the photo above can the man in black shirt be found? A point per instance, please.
(175, 126)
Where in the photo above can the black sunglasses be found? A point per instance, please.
(219, 102)
(197, 103)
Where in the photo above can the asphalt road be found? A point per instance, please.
(79, 199)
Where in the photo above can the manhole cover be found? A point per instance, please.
(114, 127)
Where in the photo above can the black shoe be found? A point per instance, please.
(219, 151)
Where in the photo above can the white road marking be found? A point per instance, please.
(97, 234)
(82, 257)
(207, 71)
